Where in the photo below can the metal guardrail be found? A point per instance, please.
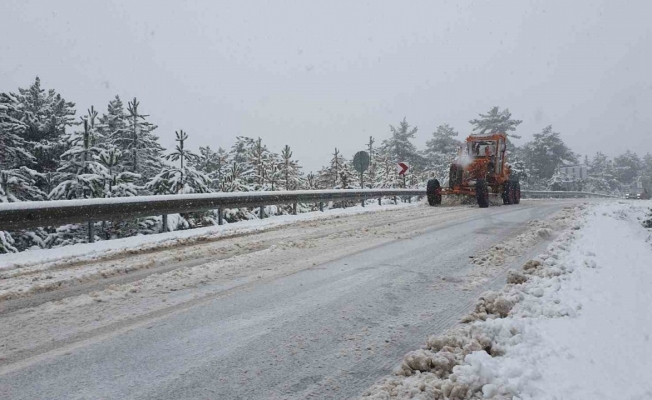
(533, 194)
(25, 215)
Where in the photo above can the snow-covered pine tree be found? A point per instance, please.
(13, 148)
(46, 116)
(241, 149)
(441, 150)
(238, 178)
(329, 177)
(80, 174)
(19, 184)
(311, 181)
(399, 147)
(272, 173)
(117, 182)
(646, 172)
(242, 176)
(112, 125)
(496, 121)
(264, 165)
(348, 177)
(520, 170)
(386, 172)
(601, 178)
(546, 152)
(19, 181)
(235, 179)
(560, 181)
(183, 178)
(290, 170)
(627, 166)
(139, 146)
(213, 164)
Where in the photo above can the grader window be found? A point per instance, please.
(483, 148)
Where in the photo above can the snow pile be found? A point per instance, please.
(493, 259)
(551, 332)
(647, 223)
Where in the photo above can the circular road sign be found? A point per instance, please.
(361, 161)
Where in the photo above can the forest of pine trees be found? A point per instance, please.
(46, 153)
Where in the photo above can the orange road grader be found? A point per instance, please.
(480, 173)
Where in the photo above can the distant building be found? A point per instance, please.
(578, 172)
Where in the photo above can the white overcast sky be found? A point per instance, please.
(321, 74)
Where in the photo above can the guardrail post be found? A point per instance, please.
(91, 232)
(220, 217)
(321, 206)
(380, 201)
(410, 199)
(294, 209)
(164, 228)
(362, 201)
(395, 202)
(262, 212)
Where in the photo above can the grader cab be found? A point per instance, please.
(481, 172)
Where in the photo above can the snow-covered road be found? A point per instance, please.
(572, 323)
(310, 310)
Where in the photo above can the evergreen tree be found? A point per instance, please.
(112, 126)
(559, 181)
(496, 121)
(442, 150)
(213, 164)
(601, 175)
(236, 178)
(386, 172)
(13, 148)
(262, 164)
(241, 149)
(311, 181)
(241, 174)
(80, 174)
(330, 177)
(399, 147)
(347, 177)
(46, 116)
(116, 181)
(646, 172)
(290, 170)
(519, 168)
(628, 166)
(140, 147)
(546, 152)
(272, 167)
(181, 179)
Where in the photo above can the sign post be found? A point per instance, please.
(361, 163)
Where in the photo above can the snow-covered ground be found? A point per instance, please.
(103, 249)
(574, 323)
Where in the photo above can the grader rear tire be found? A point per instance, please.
(508, 193)
(517, 192)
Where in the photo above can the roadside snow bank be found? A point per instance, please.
(136, 244)
(574, 323)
